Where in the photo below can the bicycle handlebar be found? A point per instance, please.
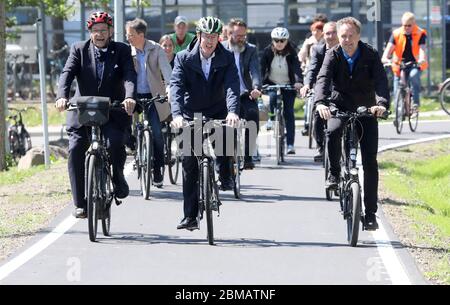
(362, 111)
(267, 88)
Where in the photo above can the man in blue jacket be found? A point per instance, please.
(204, 80)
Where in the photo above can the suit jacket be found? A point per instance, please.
(366, 86)
(316, 61)
(156, 64)
(248, 66)
(118, 81)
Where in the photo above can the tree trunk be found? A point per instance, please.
(2, 87)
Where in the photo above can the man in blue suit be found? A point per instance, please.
(102, 68)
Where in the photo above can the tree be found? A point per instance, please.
(54, 8)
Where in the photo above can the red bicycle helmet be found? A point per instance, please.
(99, 17)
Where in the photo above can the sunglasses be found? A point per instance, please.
(279, 40)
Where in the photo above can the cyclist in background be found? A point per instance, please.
(150, 62)
(408, 44)
(352, 75)
(317, 56)
(280, 66)
(181, 38)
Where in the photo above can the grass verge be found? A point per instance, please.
(414, 183)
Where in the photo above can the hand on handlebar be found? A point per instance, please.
(232, 119)
(177, 122)
(255, 94)
(304, 91)
(324, 112)
(128, 105)
(377, 110)
(61, 104)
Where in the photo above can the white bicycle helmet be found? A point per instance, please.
(280, 33)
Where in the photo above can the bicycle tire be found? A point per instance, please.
(173, 160)
(310, 126)
(399, 109)
(237, 177)
(91, 193)
(106, 219)
(14, 145)
(444, 98)
(328, 192)
(146, 166)
(413, 120)
(26, 139)
(207, 192)
(353, 220)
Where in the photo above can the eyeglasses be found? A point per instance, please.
(239, 36)
(103, 32)
(407, 25)
(279, 40)
(210, 37)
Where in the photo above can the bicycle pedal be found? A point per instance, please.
(117, 201)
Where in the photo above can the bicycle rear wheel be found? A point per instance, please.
(174, 160)
(92, 197)
(399, 112)
(353, 210)
(207, 192)
(146, 163)
(444, 98)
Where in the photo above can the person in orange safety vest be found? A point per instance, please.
(407, 44)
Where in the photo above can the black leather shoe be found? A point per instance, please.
(188, 223)
(226, 184)
(371, 223)
(157, 178)
(121, 189)
(332, 182)
(318, 157)
(79, 213)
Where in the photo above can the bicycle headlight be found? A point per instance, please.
(95, 145)
(354, 171)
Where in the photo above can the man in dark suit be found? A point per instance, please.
(317, 57)
(247, 62)
(102, 68)
(352, 75)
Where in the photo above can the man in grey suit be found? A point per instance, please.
(102, 68)
(246, 57)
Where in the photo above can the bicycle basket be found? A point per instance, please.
(93, 110)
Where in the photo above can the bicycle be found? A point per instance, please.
(444, 96)
(93, 111)
(57, 59)
(279, 133)
(349, 188)
(18, 137)
(208, 188)
(144, 157)
(404, 100)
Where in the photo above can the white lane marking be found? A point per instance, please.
(392, 263)
(46, 241)
(37, 248)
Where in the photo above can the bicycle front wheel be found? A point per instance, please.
(146, 163)
(237, 177)
(328, 192)
(174, 160)
(413, 120)
(207, 193)
(399, 112)
(92, 197)
(353, 213)
(310, 126)
(444, 98)
(106, 214)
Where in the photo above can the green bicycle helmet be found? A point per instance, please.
(209, 25)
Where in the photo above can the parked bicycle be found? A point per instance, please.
(93, 111)
(403, 101)
(444, 96)
(279, 124)
(18, 136)
(349, 188)
(57, 60)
